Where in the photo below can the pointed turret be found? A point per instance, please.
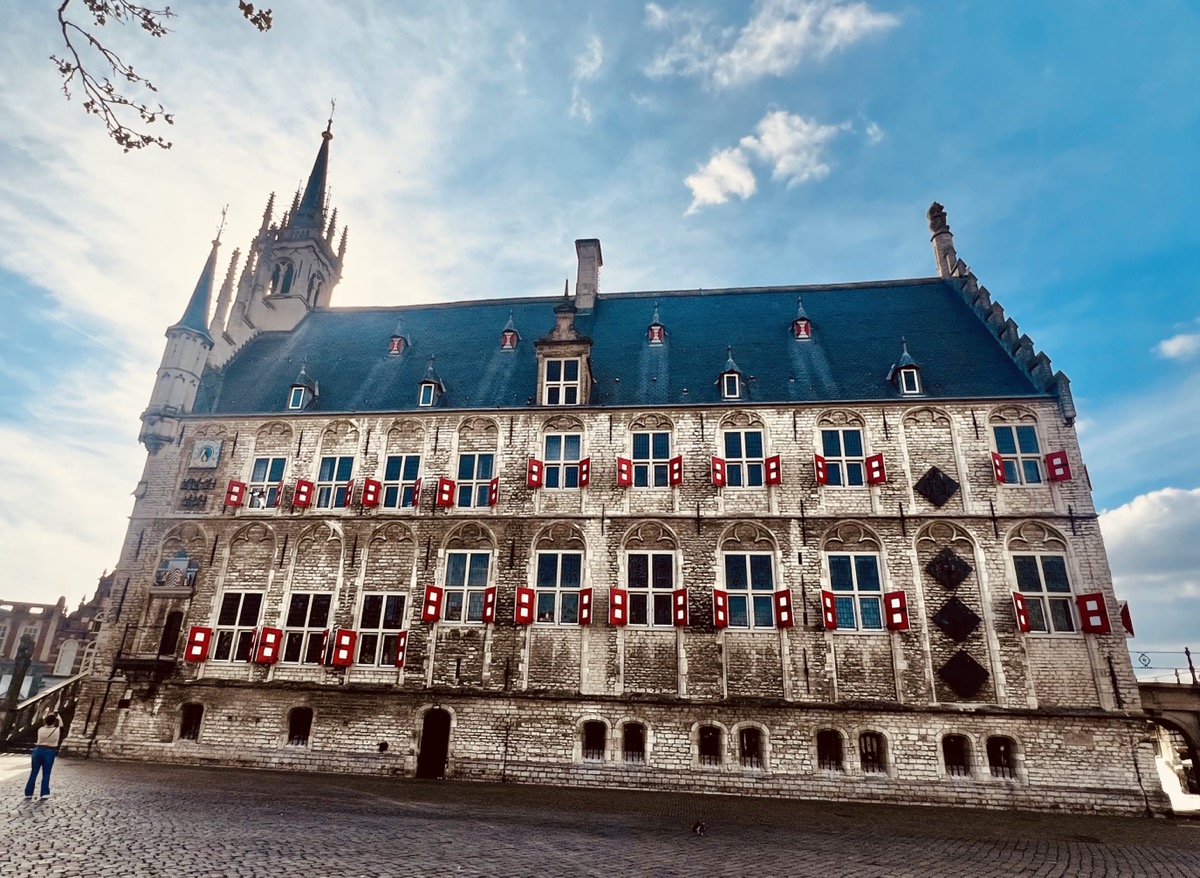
(195, 316)
(310, 213)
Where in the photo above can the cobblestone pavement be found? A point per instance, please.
(117, 819)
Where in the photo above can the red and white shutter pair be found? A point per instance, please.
(198, 641)
(371, 491)
(876, 473)
(235, 494)
(445, 492)
(1058, 468)
(524, 607)
(774, 470)
(265, 649)
(338, 649)
(431, 606)
(618, 607)
(302, 497)
(624, 472)
(895, 611)
(820, 470)
(534, 473)
(1093, 614)
(718, 471)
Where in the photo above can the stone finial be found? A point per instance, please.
(937, 218)
(943, 241)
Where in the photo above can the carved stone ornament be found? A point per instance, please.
(948, 569)
(936, 487)
(956, 619)
(963, 674)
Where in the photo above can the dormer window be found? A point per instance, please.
(561, 386)
(656, 333)
(428, 394)
(905, 374)
(296, 399)
(303, 390)
(509, 335)
(801, 326)
(731, 385)
(398, 343)
(431, 388)
(910, 381)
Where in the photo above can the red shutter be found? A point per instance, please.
(783, 609)
(489, 604)
(718, 471)
(774, 470)
(675, 471)
(585, 606)
(524, 613)
(829, 610)
(417, 494)
(533, 474)
(445, 491)
(895, 608)
(819, 469)
(235, 494)
(618, 606)
(1093, 614)
(431, 607)
(585, 472)
(1058, 468)
(494, 491)
(720, 608)
(1126, 619)
(341, 648)
(266, 646)
(198, 641)
(679, 603)
(624, 472)
(303, 494)
(278, 496)
(1022, 613)
(370, 494)
(401, 648)
(998, 468)
(876, 474)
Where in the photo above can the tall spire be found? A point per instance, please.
(310, 214)
(220, 313)
(195, 316)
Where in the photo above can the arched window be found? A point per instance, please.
(274, 280)
(750, 747)
(872, 753)
(289, 275)
(299, 726)
(595, 740)
(1015, 436)
(1001, 754)
(709, 745)
(634, 744)
(830, 753)
(956, 755)
(190, 718)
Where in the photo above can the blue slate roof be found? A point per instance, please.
(856, 337)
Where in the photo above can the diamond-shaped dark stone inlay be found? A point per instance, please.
(948, 569)
(936, 487)
(956, 619)
(963, 674)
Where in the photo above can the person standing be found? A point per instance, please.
(49, 736)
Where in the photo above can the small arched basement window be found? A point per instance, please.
(872, 753)
(750, 747)
(830, 753)
(1001, 754)
(595, 739)
(709, 745)
(956, 755)
(299, 726)
(634, 744)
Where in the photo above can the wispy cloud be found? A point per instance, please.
(780, 35)
(792, 145)
(587, 66)
(1183, 346)
(874, 133)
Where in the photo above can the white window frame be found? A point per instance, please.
(296, 397)
(749, 601)
(556, 603)
(308, 637)
(844, 470)
(234, 638)
(1038, 604)
(377, 639)
(427, 395)
(558, 391)
(264, 490)
(650, 470)
(653, 600)
(750, 470)
(398, 492)
(731, 385)
(331, 492)
(857, 595)
(463, 599)
(910, 381)
(558, 471)
(474, 487)
(1017, 462)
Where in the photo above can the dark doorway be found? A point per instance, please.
(170, 634)
(435, 745)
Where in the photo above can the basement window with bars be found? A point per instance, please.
(595, 740)
(190, 718)
(633, 747)
(750, 747)
(830, 752)
(1001, 754)
(872, 753)
(299, 726)
(956, 755)
(709, 745)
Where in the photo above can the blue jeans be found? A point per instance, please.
(43, 760)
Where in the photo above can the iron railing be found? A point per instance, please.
(1153, 666)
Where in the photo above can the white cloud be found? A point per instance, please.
(792, 145)
(1180, 347)
(780, 36)
(874, 132)
(725, 174)
(587, 66)
(1155, 559)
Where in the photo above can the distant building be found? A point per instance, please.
(829, 541)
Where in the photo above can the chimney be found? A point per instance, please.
(943, 241)
(587, 286)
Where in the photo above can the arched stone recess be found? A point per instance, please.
(694, 735)
(839, 418)
(190, 538)
(927, 416)
(578, 753)
(339, 436)
(478, 434)
(747, 536)
(405, 434)
(651, 421)
(251, 557)
(560, 536)
(740, 420)
(317, 558)
(850, 536)
(621, 749)
(211, 431)
(956, 614)
(650, 536)
(470, 537)
(391, 551)
(562, 424)
(273, 439)
(1035, 536)
(743, 757)
(930, 446)
(1012, 414)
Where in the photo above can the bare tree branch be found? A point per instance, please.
(101, 95)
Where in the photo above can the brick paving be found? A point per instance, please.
(119, 819)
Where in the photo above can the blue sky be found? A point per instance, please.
(705, 144)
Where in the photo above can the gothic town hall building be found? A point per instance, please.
(817, 541)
